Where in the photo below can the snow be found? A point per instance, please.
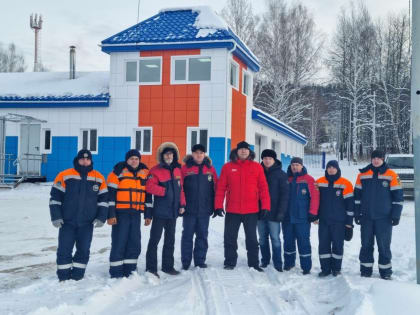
(205, 32)
(28, 283)
(25, 84)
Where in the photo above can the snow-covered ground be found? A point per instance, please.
(28, 283)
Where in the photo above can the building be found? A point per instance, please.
(181, 75)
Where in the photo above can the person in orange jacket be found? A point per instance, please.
(78, 203)
(127, 201)
(242, 182)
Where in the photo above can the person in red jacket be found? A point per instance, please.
(243, 182)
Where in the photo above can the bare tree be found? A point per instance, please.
(11, 60)
(241, 19)
(288, 46)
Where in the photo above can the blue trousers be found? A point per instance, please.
(168, 245)
(198, 225)
(331, 243)
(299, 232)
(126, 245)
(69, 266)
(380, 229)
(270, 229)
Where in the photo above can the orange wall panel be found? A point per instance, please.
(169, 109)
(238, 129)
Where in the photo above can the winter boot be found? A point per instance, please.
(324, 274)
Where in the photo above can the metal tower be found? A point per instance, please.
(36, 25)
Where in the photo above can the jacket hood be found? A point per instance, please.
(162, 147)
(290, 174)
(189, 161)
(120, 166)
(277, 164)
(382, 169)
(234, 155)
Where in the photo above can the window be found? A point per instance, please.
(46, 141)
(131, 71)
(191, 69)
(197, 136)
(246, 83)
(199, 69)
(149, 71)
(89, 140)
(234, 75)
(143, 140)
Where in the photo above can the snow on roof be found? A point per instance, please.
(35, 84)
(206, 18)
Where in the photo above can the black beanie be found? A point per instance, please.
(297, 160)
(334, 164)
(269, 153)
(243, 145)
(84, 153)
(131, 153)
(197, 147)
(377, 154)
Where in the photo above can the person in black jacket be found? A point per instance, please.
(269, 224)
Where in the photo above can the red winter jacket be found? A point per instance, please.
(245, 186)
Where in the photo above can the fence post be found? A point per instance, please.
(323, 159)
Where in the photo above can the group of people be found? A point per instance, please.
(262, 197)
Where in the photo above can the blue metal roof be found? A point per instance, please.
(277, 125)
(101, 100)
(176, 30)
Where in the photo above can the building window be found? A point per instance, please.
(197, 136)
(191, 69)
(46, 141)
(181, 70)
(131, 71)
(150, 70)
(90, 140)
(234, 75)
(143, 140)
(246, 83)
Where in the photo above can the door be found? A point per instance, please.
(258, 147)
(29, 148)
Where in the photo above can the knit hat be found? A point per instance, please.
(131, 153)
(333, 163)
(198, 147)
(377, 154)
(269, 153)
(243, 145)
(84, 153)
(297, 160)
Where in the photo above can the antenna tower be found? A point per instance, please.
(36, 25)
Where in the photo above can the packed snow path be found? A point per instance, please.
(28, 283)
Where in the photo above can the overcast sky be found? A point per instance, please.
(85, 23)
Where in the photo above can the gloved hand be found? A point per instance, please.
(357, 219)
(218, 212)
(98, 223)
(395, 222)
(58, 223)
(348, 233)
(264, 214)
(312, 218)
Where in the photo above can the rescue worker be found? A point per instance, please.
(301, 211)
(78, 202)
(336, 212)
(199, 178)
(378, 207)
(127, 200)
(278, 186)
(165, 184)
(243, 183)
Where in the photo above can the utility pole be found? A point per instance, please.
(35, 23)
(415, 106)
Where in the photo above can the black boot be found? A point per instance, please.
(171, 272)
(335, 273)
(153, 273)
(257, 268)
(203, 265)
(323, 274)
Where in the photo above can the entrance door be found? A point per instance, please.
(29, 148)
(258, 147)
